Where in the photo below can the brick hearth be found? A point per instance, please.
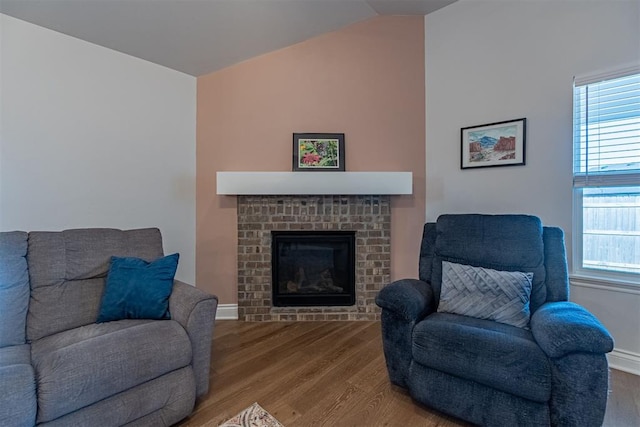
(369, 216)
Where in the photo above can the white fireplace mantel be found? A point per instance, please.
(298, 183)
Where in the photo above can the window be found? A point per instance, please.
(606, 174)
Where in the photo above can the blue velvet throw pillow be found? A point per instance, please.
(483, 293)
(137, 289)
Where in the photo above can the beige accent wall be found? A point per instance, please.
(366, 80)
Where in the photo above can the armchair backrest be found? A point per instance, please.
(68, 270)
(500, 242)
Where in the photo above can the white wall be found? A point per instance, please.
(490, 61)
(91, 137)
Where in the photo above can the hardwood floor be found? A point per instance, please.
(332, 374)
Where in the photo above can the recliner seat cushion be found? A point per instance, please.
(81, 366)
(500, 356)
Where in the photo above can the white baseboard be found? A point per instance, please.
(626, 361)
(227, 312)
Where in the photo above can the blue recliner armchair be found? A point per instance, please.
(547, 367)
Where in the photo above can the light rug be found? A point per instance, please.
(253, 416)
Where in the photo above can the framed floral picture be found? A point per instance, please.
(318, 152)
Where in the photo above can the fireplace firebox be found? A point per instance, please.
(313, 268)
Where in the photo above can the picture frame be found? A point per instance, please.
(318, 152)
(493, 144)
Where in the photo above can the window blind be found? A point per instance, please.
(606, 130)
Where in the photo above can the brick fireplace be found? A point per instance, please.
(369, 216)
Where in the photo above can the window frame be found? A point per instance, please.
(578, 270)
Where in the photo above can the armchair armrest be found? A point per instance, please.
(195, 310)
(410, 299)
(18, 402)
(404, 303)
(561, 328)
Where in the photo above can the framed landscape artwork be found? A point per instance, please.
(318, 152)
(493, 144)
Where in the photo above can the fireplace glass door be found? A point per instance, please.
(313, 268)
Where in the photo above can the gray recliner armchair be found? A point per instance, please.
(551, 369)
(58, 367)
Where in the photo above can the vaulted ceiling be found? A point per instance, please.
(201, 36)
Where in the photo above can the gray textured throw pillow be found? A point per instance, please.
(502, 296)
